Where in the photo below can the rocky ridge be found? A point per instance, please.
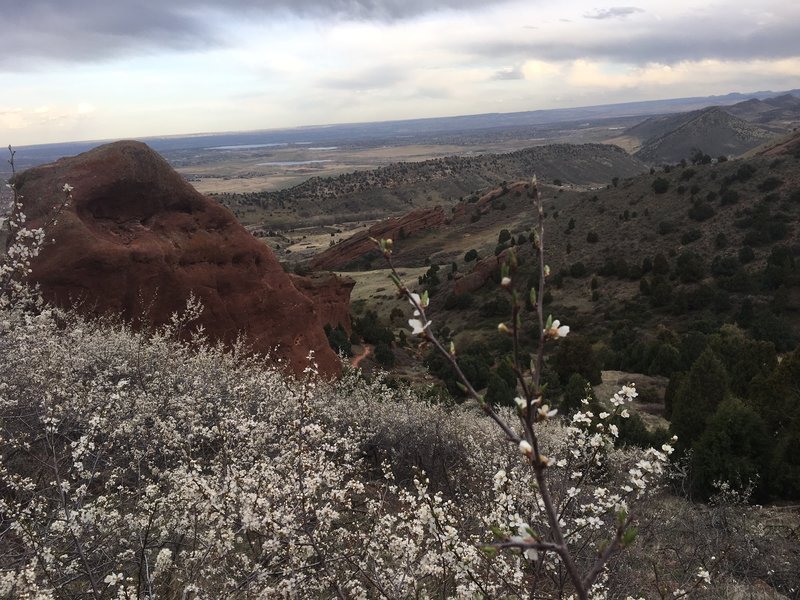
(360, 244)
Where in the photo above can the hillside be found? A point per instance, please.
(397, 188)
(781, 110)
(717, 244)
(716, 132)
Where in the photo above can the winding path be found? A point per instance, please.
(356, 360)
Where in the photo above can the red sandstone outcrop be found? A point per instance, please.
(480, 274)
(331, 296)
(138, 239)
(359, 244)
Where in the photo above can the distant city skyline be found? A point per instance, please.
(82, 69)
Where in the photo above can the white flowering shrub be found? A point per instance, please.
(137, 465)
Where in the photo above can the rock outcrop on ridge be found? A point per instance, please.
(137, 240)
(359, 244)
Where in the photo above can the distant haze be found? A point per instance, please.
(82, 69)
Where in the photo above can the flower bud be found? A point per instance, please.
(525, 448)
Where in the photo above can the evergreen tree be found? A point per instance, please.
(575, 355)
(733, 448)
(703, 390)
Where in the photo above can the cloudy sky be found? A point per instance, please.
(99, 69)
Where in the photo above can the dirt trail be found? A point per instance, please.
(356, 360)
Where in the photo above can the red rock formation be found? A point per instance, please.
(480, 274)
(138, 239)
(359, 244)
(331, 296)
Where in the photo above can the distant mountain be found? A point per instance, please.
(428, 130)
(779, 111)
(713, 130)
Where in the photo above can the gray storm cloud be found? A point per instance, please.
(666, 41)
(40, 31)
(94, 30)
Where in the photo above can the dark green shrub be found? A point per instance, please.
(721, 241)
(660, 185)
(371, 330)
(769, 184)
(701, 392)
(770, 327)
(339, 340)
(690, 267)
(384, 355)
(688, 174)
(729, 197)
(746, 254)
(740, 282)
(498, 392)
(691, 236)
(499, 306)
(458, 301)
(634, 432)
(745, 172)
(660, 291)
(574, 354)
(575, 391)
(660, 264)
(471, 255)
(666, 227)
(733, 448)
(505, 235)
(724, 266)
(778, 230)
(758, 237)
(577, 270)
(592, 237)
(701, 212)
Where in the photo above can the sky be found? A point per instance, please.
(106, 69)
